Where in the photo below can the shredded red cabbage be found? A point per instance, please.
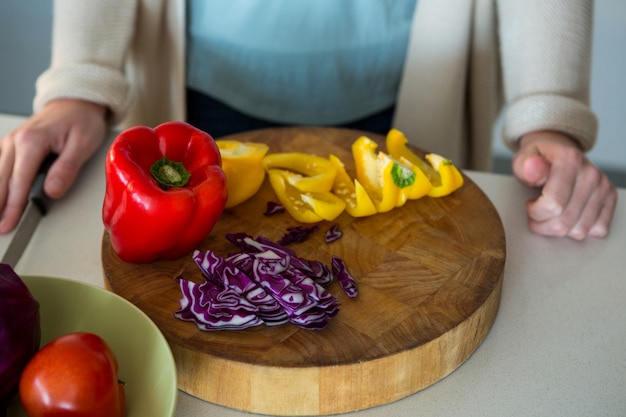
(264, 283)
(297, 234)
(273, 208)
(333, 233)
(212, 308)
(229, 273)
(345, 279)
(313, 268)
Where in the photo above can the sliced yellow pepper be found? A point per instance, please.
(358, 202)
(396, 144)
(304, 206)
(242, 164)
(420, 187)
(316, 173)
(375, 173)
(451, 177)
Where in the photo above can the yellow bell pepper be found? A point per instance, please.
(444, 177)
(381, 176)
(396, 144)
(358, 202)
(420, 187)
(242, 164)
(316, 173)
(451, 177)
(304, 206)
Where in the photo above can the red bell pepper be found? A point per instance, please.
(165, 190)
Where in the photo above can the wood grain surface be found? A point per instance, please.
(429, 276)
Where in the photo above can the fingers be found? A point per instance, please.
(64, 170)
(531, 168)
(602, 224)
(577, 200)
(78, 142)
(558, 188)
(7, 158)
(588, 213)
(18, 167)
(72, 129)
(597, 215)
(593, 221)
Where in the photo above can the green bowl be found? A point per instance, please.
(146, 363)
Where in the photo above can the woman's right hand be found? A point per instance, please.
(72, 129)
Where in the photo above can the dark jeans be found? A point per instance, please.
(219, 120)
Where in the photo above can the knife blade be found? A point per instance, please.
(37, 207)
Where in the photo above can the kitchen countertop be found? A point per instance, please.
(557, 347)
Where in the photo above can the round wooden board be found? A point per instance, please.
(429, 276)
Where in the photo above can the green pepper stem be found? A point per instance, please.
(401, 175)
(169, 173)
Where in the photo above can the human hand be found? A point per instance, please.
(72, 129)
(577, 199)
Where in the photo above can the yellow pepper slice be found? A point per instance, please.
(421, 185)
(451, 177)
(375, 173)
(316, 173)
(304, 206)
(358, 202)
(396, 144)
(242, 164)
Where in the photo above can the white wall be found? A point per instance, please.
(25, 36)
(608, 94)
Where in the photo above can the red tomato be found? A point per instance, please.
(73, 375)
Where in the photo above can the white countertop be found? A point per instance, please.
(557, 347)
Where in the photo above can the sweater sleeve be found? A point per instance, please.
(546, 64)
(89, 44)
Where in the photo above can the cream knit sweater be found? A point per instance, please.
(466, 59)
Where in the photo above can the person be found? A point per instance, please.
(440, 71)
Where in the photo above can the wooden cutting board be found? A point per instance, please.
(429, 275)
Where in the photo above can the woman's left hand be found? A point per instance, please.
(577, 199)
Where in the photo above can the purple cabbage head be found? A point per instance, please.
(20, 331)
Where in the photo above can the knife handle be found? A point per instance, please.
(37, 194)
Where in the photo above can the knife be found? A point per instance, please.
(37, 207)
